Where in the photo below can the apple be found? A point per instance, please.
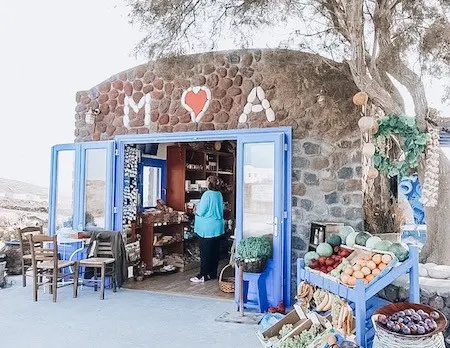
(329, 262)
(329, 269)
(314, 264)
(322, 260)
(338, 258)
(323, 269)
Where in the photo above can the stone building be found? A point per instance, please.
(306, 92)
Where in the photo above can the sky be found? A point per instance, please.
(50, 49)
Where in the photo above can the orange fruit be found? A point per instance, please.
(358, 275)
(376, 272)
(386, 259)
(376, 258)
(371, 265)
(348, 271)
(382, 266)
(366, 270)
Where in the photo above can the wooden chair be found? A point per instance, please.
(25, 248)
(46, 264)
(100, 256)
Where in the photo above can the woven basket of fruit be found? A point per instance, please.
(409, 325)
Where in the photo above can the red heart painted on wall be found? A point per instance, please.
(196, 101)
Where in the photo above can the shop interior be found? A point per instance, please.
(162, 185)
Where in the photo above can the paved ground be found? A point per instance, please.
(128, 318)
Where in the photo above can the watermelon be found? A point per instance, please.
(372, 241)
(334, 240)
(324, 249)
(310, 255)
(344, 232)
(362, 238)
(351, 239)
(399, 251)
(384, 245)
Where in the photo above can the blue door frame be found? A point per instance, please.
(156, 163)
(79, 189)
(284, 172)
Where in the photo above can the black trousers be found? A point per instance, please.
(209, 256)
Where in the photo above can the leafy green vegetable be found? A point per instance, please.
(254, 247)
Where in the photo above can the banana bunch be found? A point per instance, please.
(305, 294)
(323, 300)
(336, 307)
(345, 320)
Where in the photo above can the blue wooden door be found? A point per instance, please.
(261, 174)
(81, 187)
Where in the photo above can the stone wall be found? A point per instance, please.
(306, 92)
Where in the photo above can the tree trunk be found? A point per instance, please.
(437, 246)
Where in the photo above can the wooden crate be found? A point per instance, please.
(300, 322)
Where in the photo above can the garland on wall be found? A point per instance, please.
(399, 145)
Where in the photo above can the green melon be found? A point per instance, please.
(345, 231)
(350, 241)
(384, 245)
(399, 251)
(334, 240)
(324, 249)
(372, 241)
(309, 256)
(362, 238)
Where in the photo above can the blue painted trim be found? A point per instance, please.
(277, 138)
(109, 146)
(156, 163)
(287, 242)
(53, 194)
(238, 135)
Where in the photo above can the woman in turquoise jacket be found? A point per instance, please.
(209, 226)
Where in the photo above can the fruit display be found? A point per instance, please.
(350, 240)
(344, 232)
(329, 258)
(334, 240)
(383, 245)
(409, 322)
(372, 242)
(399, 251)
(324, 300)
(362, 238)
(305, 294)
(324, 249)
(345, 320)
(365, 267)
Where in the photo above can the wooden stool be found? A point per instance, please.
(259, 281)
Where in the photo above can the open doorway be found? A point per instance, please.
(163, 184)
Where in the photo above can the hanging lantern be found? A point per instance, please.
(372, 173)
(365, 123)
(368, 149)
(360, 98)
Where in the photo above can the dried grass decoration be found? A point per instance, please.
(399, 144)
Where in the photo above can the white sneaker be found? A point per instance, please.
(197, 279)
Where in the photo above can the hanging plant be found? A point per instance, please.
(399, 144)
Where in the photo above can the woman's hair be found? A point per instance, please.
(213, 183)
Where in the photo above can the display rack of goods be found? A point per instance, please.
(409, 325)
(366, 272)
(295, 330)
(328, 259)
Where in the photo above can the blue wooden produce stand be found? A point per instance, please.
(363, 298)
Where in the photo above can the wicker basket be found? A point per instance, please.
(254, 266)
(226, 284)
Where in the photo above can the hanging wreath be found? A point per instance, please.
(399, 144)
